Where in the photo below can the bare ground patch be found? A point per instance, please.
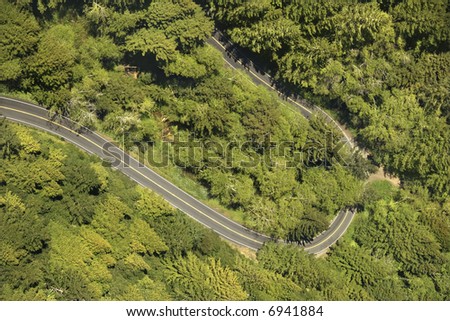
(381, 175)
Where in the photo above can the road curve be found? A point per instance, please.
(236, 60)
(91, 142)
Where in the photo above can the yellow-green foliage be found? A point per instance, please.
(144, 239)
(102, 175)
(28, 143)
(70, 251)
(194, 279)
(135, 262)
(150, 204)
(145, 289)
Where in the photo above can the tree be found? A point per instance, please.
(190, 32)
(193, 279)
(50, 68)
(145, 289)
(151, 205)
(334, 189)
(108, 217)
(9, 142)
(125, 126)
(205, 118)
(378, 190)
(262, 215)
(18, 238)
(393, 230)
(264, 285)
(316, 277)
(154, 42)
(362, 24)
(185, 66)
(19, 32)
(425, 25)
(189, 233)
(231, 190)
(82, 178)
(261, 117)
(270, 36)
(361, 267)
(144, 240)
(310, 225)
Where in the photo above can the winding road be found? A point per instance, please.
(234, 58)
(40, 118)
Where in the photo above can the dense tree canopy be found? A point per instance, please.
(381, 62)
(142, 73)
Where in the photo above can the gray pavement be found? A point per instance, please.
(38, 117)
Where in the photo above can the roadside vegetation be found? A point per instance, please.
(254, 155)
(142, 73)
(72, 229)
(384, 65)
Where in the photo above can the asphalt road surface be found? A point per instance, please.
(93, 143)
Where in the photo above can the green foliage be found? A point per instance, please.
(333, 189)
(188, 234)
(317, 278)
(362, 24)
(424, 24)
(71, 250)
(19, 33)
(152, 41)
(95, 52)
(45, 254)
(310, 225)
(79, 260)
(95, 235)
(145, 240)
(378, 190)
(264, 285)
(150, 206)
(393, 230)
(182, 88)
(50, 67)
(9, 143)
(144, 290)
(168, 32)
(382, 63)
(15, 218)
(360, 266)
(193, 279)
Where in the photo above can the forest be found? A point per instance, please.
(374, 64)
(73, 229)
(383, 65)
